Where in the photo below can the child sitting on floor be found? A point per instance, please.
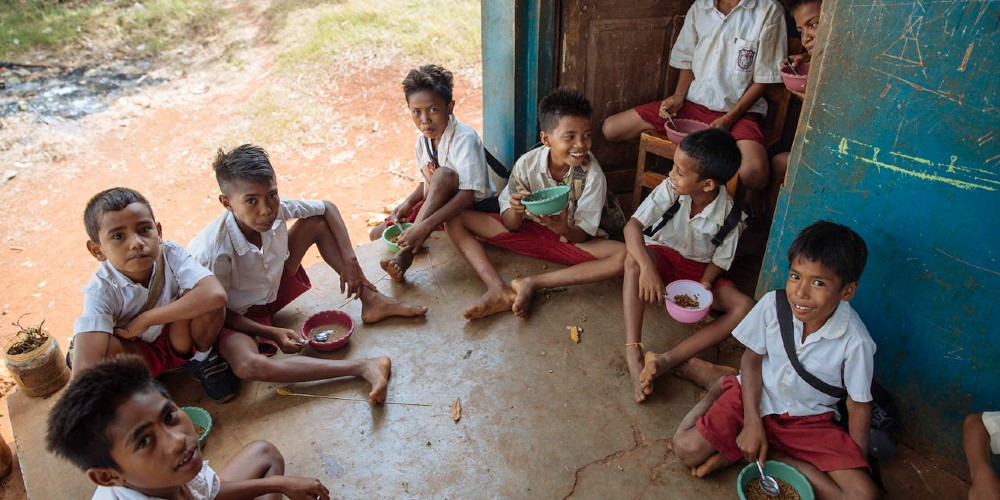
(980, 436)
(257, 258)
(148, 297)
(691, 230)
(120, 426)
(770, 406)
(571, 237)
(451, 159)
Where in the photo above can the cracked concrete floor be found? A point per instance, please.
(542, 417)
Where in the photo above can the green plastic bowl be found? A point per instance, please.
(779, 470)
(202, 418)
(548, 201)
(391, 232)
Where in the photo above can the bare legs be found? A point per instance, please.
(443, 186)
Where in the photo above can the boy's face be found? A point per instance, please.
(430, 113)
(814, 292)
(569, 142)
(154, 444)
(254, 203)
(130, 240)
(684, 176)
(807, 22)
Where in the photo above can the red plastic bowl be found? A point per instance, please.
(325, 318)
(684, 127)
(797, 82)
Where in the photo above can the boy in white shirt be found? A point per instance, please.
(571, 237)
(728, 51)
(687, 228)
(451, 160)
(980, 436)
(119, 425)
(148, 297)
(257, 257)
(770, 406)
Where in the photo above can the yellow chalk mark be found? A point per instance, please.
(965, 60)
(843, 146)
(925, 176)
(949, 168)
(952, 168)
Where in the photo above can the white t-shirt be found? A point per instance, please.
(690, 236)
(991, 419)
(461, 150)
(250, 275)
(728, 53)
(111, 299)
(532, 172)
(204, 486)
(841, 353)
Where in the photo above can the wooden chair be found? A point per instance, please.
(654, 143)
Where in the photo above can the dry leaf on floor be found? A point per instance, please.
(456, 409)
(574, 333)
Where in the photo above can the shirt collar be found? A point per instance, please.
(710, 4)
(835, 327)
(240, 242)
(716, 211)
(112, 275)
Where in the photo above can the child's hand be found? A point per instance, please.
(558, 223)
(671, 105)
(752, 441)
(402, 210)
(126, 333)
(801, 95)
(303, 488)
(707, 284)
(795, 60)
(412, 237)
(353, 281)
(289, 341)
(724, 122)
(515, 202)
(651, 287)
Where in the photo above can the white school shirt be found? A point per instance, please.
(532, 172)
(111, 299)
(461, 150)
(841, 353)
(690, 236)
(728, 53)
(249, 274)
(204, 486)
(991, 420)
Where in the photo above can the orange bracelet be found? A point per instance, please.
(636, 344)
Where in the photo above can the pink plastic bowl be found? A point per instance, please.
(325, 318)
(692, 288)
(797, 82)
(684, 127)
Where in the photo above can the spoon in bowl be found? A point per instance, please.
(671, 120)
(767, 483)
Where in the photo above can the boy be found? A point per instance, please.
(980, 436)
(451, 159)
(683, 219)
(148, 297)
(257, 258)
(120, 426)
(570, 237)
(727, 51)
(769, 406)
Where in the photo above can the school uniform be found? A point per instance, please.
(205, 486)
(797, 417)
(683, 246)
(531, 173)
(991, 420)
(111, 300)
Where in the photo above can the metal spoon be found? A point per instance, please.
(671, 120)
(767, 483)
(790, 67)
(321, 336)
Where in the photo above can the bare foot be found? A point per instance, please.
(375, 307)
(376, 372)
(525, 290)
(633, 355)
(396, 267)
(654, 365)
(702, 372)
(492, 302)
(712, 464)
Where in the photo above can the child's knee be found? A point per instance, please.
(862, 490)
(209, 323)
(444, 178)
(376, 232)
(253, 367)
(269, 453)
(687, 446)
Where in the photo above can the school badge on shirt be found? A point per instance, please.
(745, 59)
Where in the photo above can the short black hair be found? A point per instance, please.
(79, 421)
(429, 77)
(245, 163)
(109, 200)
(833, 245)
(799, 3)
(561, 102)
(716, 153)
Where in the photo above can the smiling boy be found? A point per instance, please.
(571, 237)
(120, 426)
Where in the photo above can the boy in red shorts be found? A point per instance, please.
(257, 257)
(687, 228)
(572, 237)
(770, 406)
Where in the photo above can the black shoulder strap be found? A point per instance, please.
(430, 152)
(788, 339)
(496, 165)
(669, 214)
(732, 219)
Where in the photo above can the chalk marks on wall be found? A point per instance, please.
(906, 49)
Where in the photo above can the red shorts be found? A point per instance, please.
(160, 356)
(289, 289)
(816, 439)
(747, 128)
(672, 266)
(540, 242)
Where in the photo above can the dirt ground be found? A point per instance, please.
(355, 149)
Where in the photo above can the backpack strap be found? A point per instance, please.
(788, 339)
(577, 181)
(155, 284)
(496, 165)
(430, 152)
(669, 214)
(732, 219)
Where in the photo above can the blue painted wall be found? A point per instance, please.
(899, 139)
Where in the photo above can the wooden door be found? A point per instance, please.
(617, 53)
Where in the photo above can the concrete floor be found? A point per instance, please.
(542, 417)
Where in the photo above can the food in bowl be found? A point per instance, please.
(795, 83)
(329, 332)
(753, 491)
(687, 301)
